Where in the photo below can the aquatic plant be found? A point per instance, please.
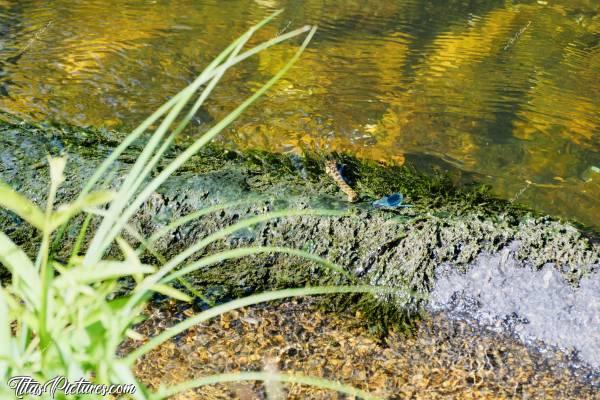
(62, 318)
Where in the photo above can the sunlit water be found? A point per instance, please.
(507, 92)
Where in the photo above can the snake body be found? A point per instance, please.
(332, 170)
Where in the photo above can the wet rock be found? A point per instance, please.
(400, 248)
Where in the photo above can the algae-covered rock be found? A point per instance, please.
(399, 248)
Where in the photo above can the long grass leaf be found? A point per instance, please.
(80, 239)
(264, 376)
(122, 373)
(202, 78)
(65, 212)
(21, 205)
(145, 244)
(178, 259)
(127, 190)
(104, 270)
(57, 167)
(101, 170)
(184, 122)
(171, 292)
(244, 302)
(128, 187)
(5, 334)
(132, 256)
(195, 292)
(197, 214)
(247, 251)
(246, 223)
(193, 149)
(24, 274)
(103, 239)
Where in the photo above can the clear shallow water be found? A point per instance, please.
(507, 92)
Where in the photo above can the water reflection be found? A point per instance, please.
(505, 90)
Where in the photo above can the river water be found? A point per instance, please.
(506, 93)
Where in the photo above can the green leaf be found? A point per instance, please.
(5, 335)
(25, 278)
(220, 234)
(121, 373)
(264, 376)
(131, 334)
(196, 215)
(67, 211)
(247, 301)
(57, 167)
(171, 292)
(104, 270)
(96, 333)
(247, 251)
(131, 257)
(117, 304)
(111, 227)
(21, 205)
(63, 356)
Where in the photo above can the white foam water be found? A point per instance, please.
(502, 293)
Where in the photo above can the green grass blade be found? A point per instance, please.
(195, 215)
(65, 212)
(193, 149)
(58, 236)
(57, 167)
(247, 251)
(5, 334)
(247, 301)
(99, 242)
(122, 373)
(246, 223)
(178, 259)
(145, 244)
(202, 78)
(171, 292)
(24, 273)
(22, 206)
(103, 238)
(184, 122)
(101, 170)
(135, 175)
(264, 376)
(80, 238)
(195, 292)
(104, 270)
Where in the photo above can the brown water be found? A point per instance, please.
(506, 91)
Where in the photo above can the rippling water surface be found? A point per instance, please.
(506, 92)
